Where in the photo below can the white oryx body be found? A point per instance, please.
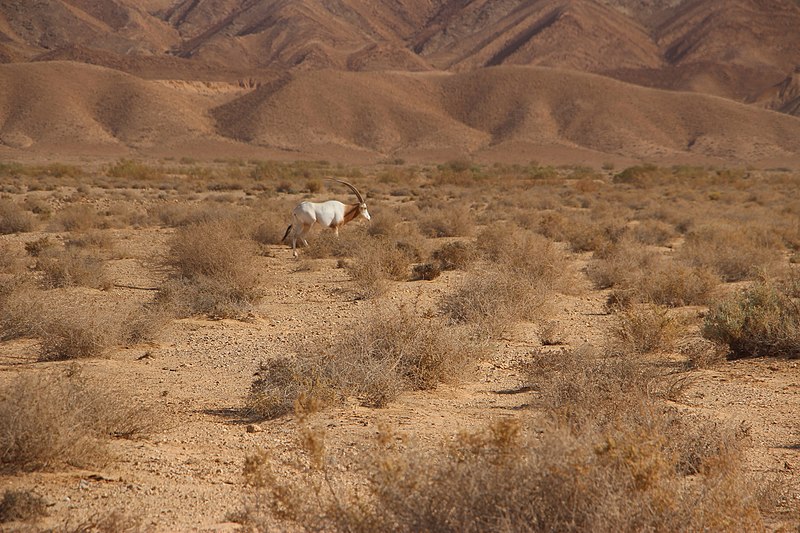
(331, 214)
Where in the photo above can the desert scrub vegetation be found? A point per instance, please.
(490, 300)
(379, 357)
(645, 328)
(21, 506)
(57, 418)
(214, 271)
(21, 307)
(730, 251)
(14, 219)
(606, 455)
(80, 217)
(762, 320)
(71, 266)
(520, 271)
(640, 275)
(378, 260)
(75, 333)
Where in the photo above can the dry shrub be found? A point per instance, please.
(130, 170)
(270, 219)
(68, 267)
(14, 219)
(491, 300)
(619, 263)
(49, 419)
(11, 260)
(732, 252)
(426, 271)
(145, 323)
(654, 232)
(452, 220)
(325, 244)
(582, 232)
(760, 321)
(96, 239)
(67, 332)
(677, 285)
(646, 329)
(35, 248)
(21, 506)
(457, 255)
(527, 267)
(639, 275)
(283, 385)
(378, 260)
(21, 307)
(385, 222)
(178, 215)
(608, 457)
(378, 358)
(667, 283)
(105, 522)
(76, 218)
(215, 271)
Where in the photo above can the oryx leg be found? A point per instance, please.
(301, 234)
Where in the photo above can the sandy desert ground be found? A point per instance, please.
(193, 374)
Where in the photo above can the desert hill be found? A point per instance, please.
(517, 112)
(404, 78)
(737, 49)
(62, 106)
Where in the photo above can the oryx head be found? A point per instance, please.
(362, 207)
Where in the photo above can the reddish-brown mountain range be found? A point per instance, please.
(380, 77)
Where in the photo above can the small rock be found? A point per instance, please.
(254, 428)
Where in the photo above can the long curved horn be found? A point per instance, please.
(352, 188)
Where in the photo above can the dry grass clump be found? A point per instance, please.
(49, 419)
(676, 285)
(491, 300)
(524, 254)
(619, 264)
(11, 260)
(215, 271)
(68, 267)
(270, 220)
(67, 332)
(323, 244)
(447, 221)
(583, 232)
(645, 329)
(21, 506)
(377, 260)
(92, 239)
(79, 217)
(639, 275)
(654, 232)
(134, 171)
(21, 307)
(761, 321)
(376, 360)
(144, 323)
(608, 457)
(525, 268)
(732, 252)
(457, 255)
(177, 215)
(14, 219)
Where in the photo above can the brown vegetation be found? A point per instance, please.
(586, 315)
(61, 418)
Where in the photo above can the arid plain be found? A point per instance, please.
(575, 306)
